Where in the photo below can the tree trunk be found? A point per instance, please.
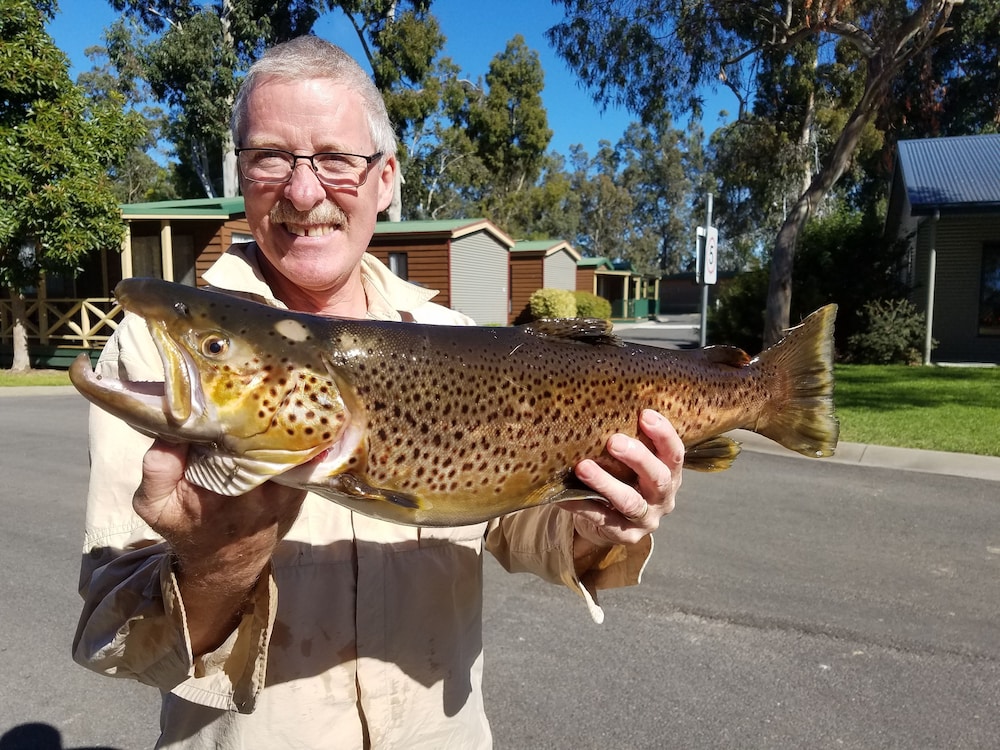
(21, 361)
(230, 178)
(779, 291)
(919, 30)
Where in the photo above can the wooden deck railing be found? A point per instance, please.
(85, 323)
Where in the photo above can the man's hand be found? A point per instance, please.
(222, 544)
(633, 510)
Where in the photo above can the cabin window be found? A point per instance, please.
(989, 291)
(398, 265)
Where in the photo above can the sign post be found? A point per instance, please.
(708, 256)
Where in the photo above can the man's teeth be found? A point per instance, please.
(319, 230)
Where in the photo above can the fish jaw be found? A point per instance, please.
(139, 403)
(252, 406)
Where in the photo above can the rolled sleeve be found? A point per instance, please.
(127, 628)
(540, 541)
(133, 623)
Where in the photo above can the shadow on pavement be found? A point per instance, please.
(38, 736)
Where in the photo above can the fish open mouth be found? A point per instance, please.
(156, 408)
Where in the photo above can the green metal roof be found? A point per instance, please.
(452, 227)
(195, 208)
(527, 246)
(429, 226)
(598, 262)
(545, 246)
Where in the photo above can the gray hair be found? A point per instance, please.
(309, 58)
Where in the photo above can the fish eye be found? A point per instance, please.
(214, 346)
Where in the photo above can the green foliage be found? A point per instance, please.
(509, 129)
(192, 58)
(892, 332)
(552, 303)
(56, 148)
(738, 317)
(589, 305)
(789, 64)
(655, 175)
(953, 88)
(842, 258)
(139, 177)
(605, 204)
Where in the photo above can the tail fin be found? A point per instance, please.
(804, 421)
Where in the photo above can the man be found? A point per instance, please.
(279, 619)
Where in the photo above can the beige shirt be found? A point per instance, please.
(361, 634)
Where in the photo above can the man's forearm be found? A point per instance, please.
(215, 593)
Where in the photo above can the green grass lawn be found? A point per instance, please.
(935, 408)
(35, 377)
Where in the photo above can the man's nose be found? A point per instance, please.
(303, 188)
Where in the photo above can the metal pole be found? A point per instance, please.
(704, 286)
(931, 280)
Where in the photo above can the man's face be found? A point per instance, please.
(311, 234)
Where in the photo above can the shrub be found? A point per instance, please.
(891, 333)
(738, 317)
(552, 303)
(842, 258)
(589, 305)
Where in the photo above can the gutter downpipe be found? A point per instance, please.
(931, 274)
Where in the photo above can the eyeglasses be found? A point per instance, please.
(273, 166)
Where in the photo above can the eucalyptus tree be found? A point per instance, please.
(193, 56)
(508, 126)
(654, 174)
(954, 88)
(656, 55)
(401, 41)
(140, 177)
(56, 147)
(606, 206)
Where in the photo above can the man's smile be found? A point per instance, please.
(311, 230)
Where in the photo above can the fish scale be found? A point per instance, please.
(445, 425)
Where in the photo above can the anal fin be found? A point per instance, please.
(714, 454)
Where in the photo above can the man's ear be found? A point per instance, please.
(387, 182)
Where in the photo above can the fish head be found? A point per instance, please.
(247, 382)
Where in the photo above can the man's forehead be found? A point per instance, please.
(323, 108)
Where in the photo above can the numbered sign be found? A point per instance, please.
(711, 266)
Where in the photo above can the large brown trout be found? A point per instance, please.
(443, 425)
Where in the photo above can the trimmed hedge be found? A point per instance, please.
(553, 303)
(589, 305)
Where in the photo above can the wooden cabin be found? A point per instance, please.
(466, 260)
(539, 264)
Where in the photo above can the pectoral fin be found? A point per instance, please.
(352, 486)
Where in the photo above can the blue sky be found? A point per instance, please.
(476, 32)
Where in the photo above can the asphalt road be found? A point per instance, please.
(788, 604)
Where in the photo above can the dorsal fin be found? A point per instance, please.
(726, 355)
(586, 330)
